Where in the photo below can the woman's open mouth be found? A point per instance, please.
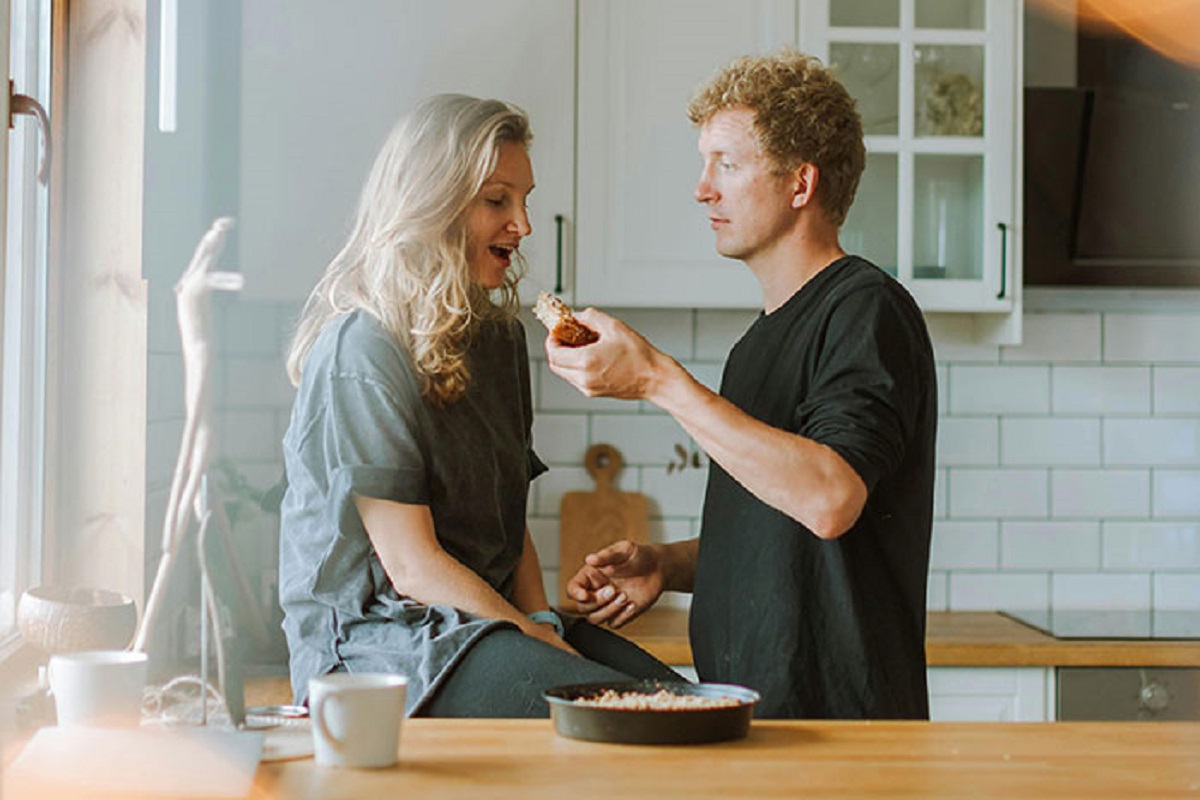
(502, 252)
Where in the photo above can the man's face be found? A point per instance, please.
(749, 207)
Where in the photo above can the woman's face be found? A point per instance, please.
(497, 219)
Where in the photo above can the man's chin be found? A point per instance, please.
(729, 252)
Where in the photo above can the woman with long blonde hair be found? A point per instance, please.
(409, 454)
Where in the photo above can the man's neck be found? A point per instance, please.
(798, 258)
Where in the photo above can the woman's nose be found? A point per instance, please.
(521, 222)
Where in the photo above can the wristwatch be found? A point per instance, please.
(548, 617)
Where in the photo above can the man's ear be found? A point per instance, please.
(804, 184)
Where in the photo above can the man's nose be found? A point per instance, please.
(704, 191)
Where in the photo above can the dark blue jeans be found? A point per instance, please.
(505, 672)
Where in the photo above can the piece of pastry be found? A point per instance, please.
(558, 319)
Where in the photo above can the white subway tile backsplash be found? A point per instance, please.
(968, 441)
(1056, 338)
(256, 383)
(998, 493)
(1177, 592)
(1177, 390)
(544, 532)
(251, 327)
(163, 439)
(1152, 442)
(1176, 493)
(642, 439)
(987, 591)
(666, 531)
(670, 330)
(249, 435)
(553, 484)
(1100, 390)
(162, 322)
(1151, 337)
(960, 544)
(941, 492)
(1152, 545)
(1068, 467)
(717, 331)
(535, 336)
(555, 394)
(1100, 591)
(943, 388)
(1097, 493)
(675, 494)
(1000, 389)
(164, 387)
(1053, 441)
(1046, 544)
(707, 372)
(560, 438)
(550, 584)
(937, 591)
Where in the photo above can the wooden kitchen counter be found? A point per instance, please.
(526, 759)
(962, 639)
(953, 639)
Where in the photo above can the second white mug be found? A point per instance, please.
(356, 718)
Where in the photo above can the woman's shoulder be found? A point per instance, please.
(356, 345)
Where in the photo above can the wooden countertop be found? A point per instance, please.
(962, 639)
(953, 639)
(526, 759)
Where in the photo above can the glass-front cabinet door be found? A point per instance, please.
(935, 82)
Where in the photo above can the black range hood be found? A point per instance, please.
(1112, 175)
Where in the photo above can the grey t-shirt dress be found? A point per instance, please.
(360, 426)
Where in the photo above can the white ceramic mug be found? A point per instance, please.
(98, 688)
(356, 718)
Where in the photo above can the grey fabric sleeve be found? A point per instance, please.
(372, 449)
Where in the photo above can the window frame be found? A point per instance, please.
(27, 44)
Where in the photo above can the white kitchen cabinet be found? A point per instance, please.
(323, 83)
(642, 239)
(938, 87)
(937, 83)
(991, 694)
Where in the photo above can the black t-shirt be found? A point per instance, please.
(827, 629)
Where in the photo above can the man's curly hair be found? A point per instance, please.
(801, 114)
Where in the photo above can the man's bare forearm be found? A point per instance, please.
(804, 479)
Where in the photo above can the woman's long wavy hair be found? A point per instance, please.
(405, 261)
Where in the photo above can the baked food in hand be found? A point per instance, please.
(558, 319)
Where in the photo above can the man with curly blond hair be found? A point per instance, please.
(809, 574)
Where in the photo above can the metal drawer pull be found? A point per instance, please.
(1003, 260)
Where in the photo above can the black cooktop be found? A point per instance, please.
(1124, 624)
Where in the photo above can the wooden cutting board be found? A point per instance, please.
(591, 520)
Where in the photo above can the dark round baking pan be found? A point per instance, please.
(629, 726)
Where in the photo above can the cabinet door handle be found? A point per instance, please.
(558, 224)
(1003, 260)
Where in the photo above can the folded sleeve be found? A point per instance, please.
(865, 400)
(374, 447)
